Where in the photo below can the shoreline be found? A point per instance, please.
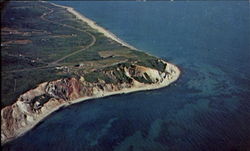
(142, 87)
(95, 26)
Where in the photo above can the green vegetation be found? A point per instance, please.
(113, 74)
(153, 63)
(49, 41)
(121, 77)
(95, 76)
(16, 83)
(102, 43)
(37, 37)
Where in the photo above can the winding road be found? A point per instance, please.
(56, 62)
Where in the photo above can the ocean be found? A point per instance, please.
(207, 109)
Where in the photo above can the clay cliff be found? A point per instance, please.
(31, 107)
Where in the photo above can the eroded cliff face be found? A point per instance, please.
(32, 106)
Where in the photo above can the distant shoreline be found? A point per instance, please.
(175, 73)
(95, 26)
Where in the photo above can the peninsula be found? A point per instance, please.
(52, 57)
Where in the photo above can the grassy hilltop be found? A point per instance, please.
(42, 42)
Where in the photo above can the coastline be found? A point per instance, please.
(144, 87)
(141, 87)
(95, 26)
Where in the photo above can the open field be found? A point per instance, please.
(42, 42)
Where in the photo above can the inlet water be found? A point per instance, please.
(207, 109)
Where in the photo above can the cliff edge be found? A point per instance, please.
(34, 105)
(52, 57)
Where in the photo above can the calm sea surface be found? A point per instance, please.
(207, 109)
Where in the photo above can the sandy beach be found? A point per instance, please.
(92, 24)
(37, 118)
(143, 87)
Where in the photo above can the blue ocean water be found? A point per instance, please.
(207, 109)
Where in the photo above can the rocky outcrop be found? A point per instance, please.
(31, 107)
